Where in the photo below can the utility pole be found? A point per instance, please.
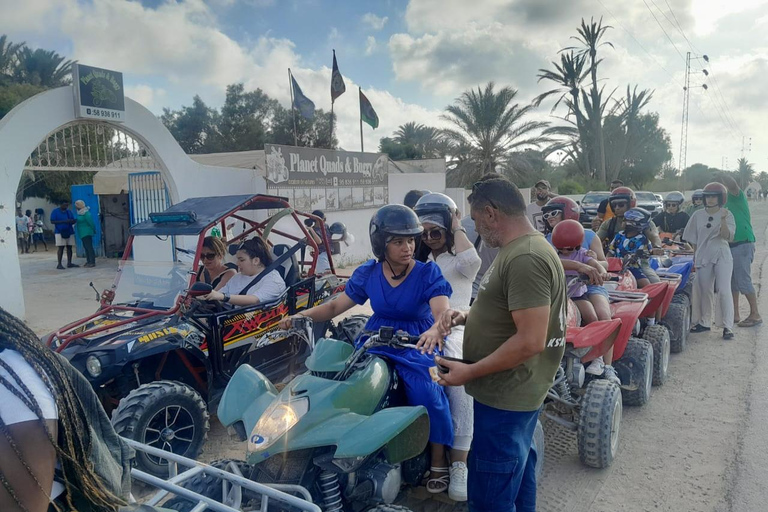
(686, 100)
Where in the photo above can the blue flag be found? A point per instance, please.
(304, 105)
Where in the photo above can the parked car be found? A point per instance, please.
(649, 201)
(589, 204)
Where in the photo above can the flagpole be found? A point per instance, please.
(330, 141)
(293, 110)
(359, 93)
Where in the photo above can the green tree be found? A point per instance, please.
(762, 179)
(45, 68)
(746, 172)
(8, 58)
(414, 141)
(489, 131)
(312, 133)
(242, 123)
(191, 126)
(698, 175)
(12, 94)
(650, 150)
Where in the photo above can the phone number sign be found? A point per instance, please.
(99, 93)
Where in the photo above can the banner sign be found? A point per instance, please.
(99, 93)
(328, 180)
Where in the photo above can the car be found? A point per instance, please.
(589, 204)
(158, 356)
(649, 201)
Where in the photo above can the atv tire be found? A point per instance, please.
(166, 415)
(658, 336)
(678, 322)
(599, 424)
(210, 486)
(637, 362)
(538, 443)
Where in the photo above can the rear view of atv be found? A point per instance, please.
(341, 431)
(158, 357)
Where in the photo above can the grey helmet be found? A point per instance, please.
(438, 204)
(698, 194)
(675, 197)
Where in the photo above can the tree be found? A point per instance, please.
(489, 130)
(312, 133)
(590, 37)
(13, 94)
(746, 172)
(191, 126)
(45, 68)
(649, 150)
(414, 141)
(762, 179)
(8, 58)
(242, 124)
(698, 175)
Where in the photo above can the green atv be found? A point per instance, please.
(341, 431)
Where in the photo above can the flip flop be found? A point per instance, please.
(749, 322)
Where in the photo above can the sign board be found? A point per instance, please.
(325, 179)
(99, 93)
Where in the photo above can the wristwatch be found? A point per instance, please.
(226, 298)
(460, 228)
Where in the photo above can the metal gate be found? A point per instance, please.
(147, 194)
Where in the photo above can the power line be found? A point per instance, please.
(663, 30)
(679, 27)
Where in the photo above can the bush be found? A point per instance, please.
(570, 187)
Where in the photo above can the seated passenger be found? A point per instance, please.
(213, 271)
(253, 257)
(592, 300)
(634, 241)
(672, 220)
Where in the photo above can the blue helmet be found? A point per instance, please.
(639, 218)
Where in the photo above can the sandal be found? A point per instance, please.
(438, 484)
(749, 322)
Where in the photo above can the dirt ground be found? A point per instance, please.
(700, 444)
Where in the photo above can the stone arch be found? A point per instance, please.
(22, 129)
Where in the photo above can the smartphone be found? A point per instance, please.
(444, 369)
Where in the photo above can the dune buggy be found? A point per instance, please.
(158, 357)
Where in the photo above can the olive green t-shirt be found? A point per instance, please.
(526, 274)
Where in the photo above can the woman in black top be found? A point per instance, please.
(213, 270)
(672, 219)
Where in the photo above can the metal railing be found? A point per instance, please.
(232, 481)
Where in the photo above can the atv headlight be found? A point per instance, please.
(93, 365)
(278, 419)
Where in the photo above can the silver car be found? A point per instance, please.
(649, 201)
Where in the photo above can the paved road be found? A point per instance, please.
(700, 444)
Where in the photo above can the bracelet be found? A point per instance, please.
(460, 228)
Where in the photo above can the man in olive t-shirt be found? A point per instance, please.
(515, 337)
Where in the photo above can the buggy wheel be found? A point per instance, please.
(211, 487)
(678, 322)
(538, 443)
(599, 424)
(636, 367)
(167, 415)
(658, 336)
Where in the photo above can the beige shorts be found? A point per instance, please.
(63, 242)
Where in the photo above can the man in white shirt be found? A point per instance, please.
(533, 210)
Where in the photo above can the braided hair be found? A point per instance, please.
(73, 445)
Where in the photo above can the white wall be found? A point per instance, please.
(401, 184)
(31, 203)
(31, 121)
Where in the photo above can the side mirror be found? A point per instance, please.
(578, 203)
(199, 289)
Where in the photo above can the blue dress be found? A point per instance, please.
(406, 307)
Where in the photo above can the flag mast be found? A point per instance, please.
(293, 110)
(360, 92)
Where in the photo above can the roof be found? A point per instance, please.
(208, 211)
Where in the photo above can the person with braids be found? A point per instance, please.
(58, 450)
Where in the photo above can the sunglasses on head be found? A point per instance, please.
(569, 249)
(552, 214)
(207, 256)
(434, 234)
(477, 188)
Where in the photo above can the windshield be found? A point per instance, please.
(646, 197)
(595, 198)
(155, 284)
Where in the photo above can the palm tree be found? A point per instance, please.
(624, 117)
(489, 132)
(568, 75)
(45, 68)
(746, 172)
(8, 56)
(590, 38)
(426, 141)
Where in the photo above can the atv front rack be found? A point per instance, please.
(232, 481)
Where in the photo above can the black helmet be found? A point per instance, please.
(390, 221)
(337, 228)
(436, 203)
(412, 197)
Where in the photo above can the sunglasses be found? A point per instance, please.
(434, 234)
(207, 256)
(477, 188)
(569, 249)
(667, 205)
(709, 224)
(552, 214)
(619, 204)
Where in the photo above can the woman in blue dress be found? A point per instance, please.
(407, 295)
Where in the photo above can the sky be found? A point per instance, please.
(412, 58)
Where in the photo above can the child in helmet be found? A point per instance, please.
(591, 300)
(697, 202)
(633, 241)
(710, 231)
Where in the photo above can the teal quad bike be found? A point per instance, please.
(341, 432)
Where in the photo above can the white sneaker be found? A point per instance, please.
(457, 490)
(597, 367)
(611, 376)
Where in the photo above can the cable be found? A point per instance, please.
(663, 30)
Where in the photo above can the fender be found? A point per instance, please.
(403, 432)
(246, 397)
(598, 335)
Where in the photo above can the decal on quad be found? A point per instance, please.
(251, 324)
(160, 333)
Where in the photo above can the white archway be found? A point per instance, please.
(25, 126)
